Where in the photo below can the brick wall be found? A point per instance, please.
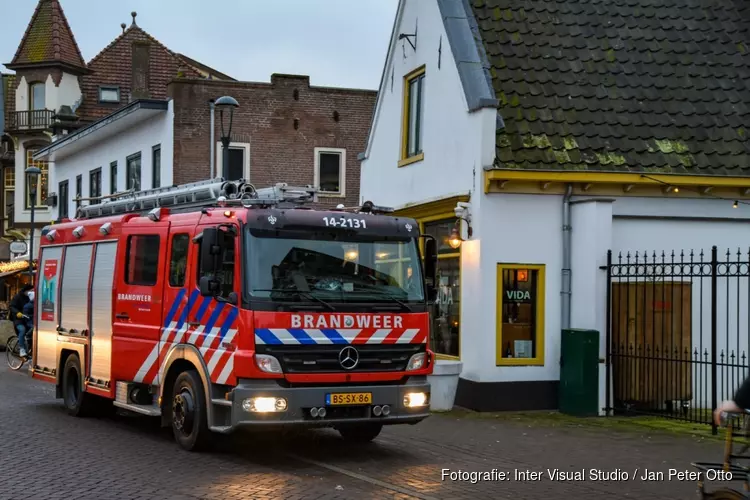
(266, 120)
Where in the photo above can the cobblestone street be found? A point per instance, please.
(46, 454)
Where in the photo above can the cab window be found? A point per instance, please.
(142, 264)
(225, 273)
(178, 259)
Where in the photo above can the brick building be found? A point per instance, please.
(283, 131)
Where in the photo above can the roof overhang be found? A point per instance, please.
(615, 183)
(71, 68)
(111, 125)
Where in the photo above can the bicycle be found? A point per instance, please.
(721, 471)
(13, 350)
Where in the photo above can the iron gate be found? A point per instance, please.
(677, 331)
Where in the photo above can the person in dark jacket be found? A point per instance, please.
(23, 297)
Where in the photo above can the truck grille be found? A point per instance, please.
(325, 358)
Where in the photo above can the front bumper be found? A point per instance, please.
(301, 399)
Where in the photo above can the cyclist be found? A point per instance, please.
(740, 402)
(23, 297)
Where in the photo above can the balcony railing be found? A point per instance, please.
(38, 119)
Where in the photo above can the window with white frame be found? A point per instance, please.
(330, 171)
(239, 161)
(10, 190)
(133, 172)
(109, 94)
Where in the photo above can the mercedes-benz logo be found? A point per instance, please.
(348, 358)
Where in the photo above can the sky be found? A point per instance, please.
(338, 43)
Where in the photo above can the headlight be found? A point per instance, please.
(415, 399)
(416, 362)
(267, 363)
(264, 405)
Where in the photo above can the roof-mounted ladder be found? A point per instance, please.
(209, 193)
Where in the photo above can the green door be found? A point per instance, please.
(579, 372)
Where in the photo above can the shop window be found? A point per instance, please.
(446, 320)
(178, 260)
(520, 314)
(142, 264)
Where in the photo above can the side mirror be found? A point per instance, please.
(210, 249)
(209, 287)
(430, 261)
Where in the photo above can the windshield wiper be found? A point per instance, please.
(398, 301)
(301, 293)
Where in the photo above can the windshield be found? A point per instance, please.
(332, 267)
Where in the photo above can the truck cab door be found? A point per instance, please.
(139, 301)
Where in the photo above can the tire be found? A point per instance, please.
(15, 361)
(77, 402)
(360, 433)
(725, 494)
(189, 412)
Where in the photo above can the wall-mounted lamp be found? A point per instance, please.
(462, 214)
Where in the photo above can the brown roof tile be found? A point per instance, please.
(113, 67)
(48, 39)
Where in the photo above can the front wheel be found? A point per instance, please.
(13, 354)
(77, 402)
(360, 433)
(189, 419)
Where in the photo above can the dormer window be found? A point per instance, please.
(37, 94)
(109, 94)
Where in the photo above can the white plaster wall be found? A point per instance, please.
(139, 138)
(452, 137)
(510, 229)
(67, 93)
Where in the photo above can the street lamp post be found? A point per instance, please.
(32, 176)
(226, 103)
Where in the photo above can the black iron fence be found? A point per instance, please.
(677, 338)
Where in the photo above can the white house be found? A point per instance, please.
(130, 149)
(559, 132)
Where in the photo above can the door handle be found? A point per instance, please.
(122, 316)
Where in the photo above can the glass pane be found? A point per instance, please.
(420, 112)
(446, 320)
(113, 178)
(178, 261)
(41, 181)
(236, 164)
(441, 231)
(109, 95)
(330, 172)
(10, 178)
(413, 92)
(141, 267)
(156, 168)
(133, 171)
(37, 96)
(519, 313)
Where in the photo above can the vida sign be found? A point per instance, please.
(518, 295)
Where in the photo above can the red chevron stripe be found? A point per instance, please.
(363, 336)
(392, 337)
(223, 360)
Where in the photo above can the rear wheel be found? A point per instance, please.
(77, 402)
(13, 354)
(189, 419)
(360, 433)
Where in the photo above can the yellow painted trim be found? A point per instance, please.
(433, 210)
(491, 176)
(450, 358)
(405, 117)
(540, 310)
(411, 159)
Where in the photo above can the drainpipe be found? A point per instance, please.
(565, 292)
(213, 152)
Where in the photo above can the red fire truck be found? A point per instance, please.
(215, 305)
